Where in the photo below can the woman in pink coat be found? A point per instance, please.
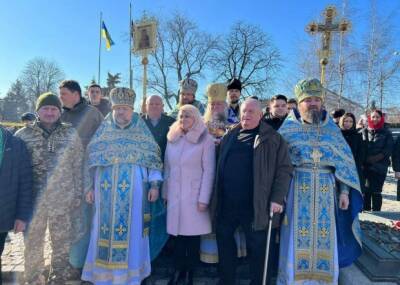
(188, 183)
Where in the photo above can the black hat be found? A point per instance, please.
(234, 84)
(338, 113)
(28, 117)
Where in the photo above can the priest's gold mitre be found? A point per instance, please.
(216, 92)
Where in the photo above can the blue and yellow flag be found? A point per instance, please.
(106, 35)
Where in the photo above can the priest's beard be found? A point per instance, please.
(220, 117)
(314, 116)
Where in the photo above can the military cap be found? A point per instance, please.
(48, 99)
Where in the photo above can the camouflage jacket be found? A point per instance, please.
(57, 159)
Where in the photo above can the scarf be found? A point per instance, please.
(378, 126)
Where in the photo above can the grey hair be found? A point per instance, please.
(253, 101)
(152, 96)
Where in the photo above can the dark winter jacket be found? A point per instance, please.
(272, 173)
(274, 122)
(396, 155)
(104, 107)
(160, 130)
(84, 118)
(379, 149)
(15, 182)
(358, 147)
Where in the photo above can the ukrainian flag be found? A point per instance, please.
(106, 35)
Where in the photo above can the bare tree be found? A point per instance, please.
(40, 75)
(381, 61)
(248, 54)
(183, 50)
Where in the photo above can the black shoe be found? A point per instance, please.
(188, 278)
(176, 277)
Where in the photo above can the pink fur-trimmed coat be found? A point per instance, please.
(188, 179)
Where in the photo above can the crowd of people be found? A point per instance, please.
(113, 186)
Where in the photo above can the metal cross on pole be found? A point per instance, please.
(327, 28)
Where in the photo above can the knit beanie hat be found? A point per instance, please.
(48, 99)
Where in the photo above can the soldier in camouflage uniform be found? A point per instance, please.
(57, 156)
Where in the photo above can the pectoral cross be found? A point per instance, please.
(327, 29)
(316, 156)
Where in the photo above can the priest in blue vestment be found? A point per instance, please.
(320, 231)
(123, 176)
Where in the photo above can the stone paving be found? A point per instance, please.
(13, 259)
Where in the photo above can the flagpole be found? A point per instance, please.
(130, 45)
(98, 74)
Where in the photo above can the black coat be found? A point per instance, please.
(379, 149)
(358, 147)
(272, 173)
(396, 155)
(160, 131)
(15, 182)
(275, 123)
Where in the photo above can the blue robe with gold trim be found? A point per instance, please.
(121, 163)
(316, 236)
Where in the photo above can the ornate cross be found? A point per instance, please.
(316, 156)
(105, 185)
(123, 185)
(303, 231)
(324, 232)
(327, 29)
(104, 228)
(304, 187)
(120, 230)
(324, 188)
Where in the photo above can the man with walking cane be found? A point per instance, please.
(253, 176)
